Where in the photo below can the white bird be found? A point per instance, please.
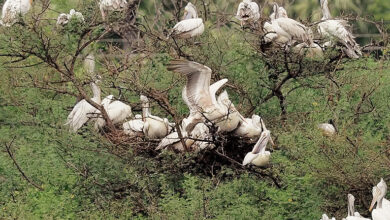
(282, 13)
(111, 5)
(325, 217)
(352, 215)
(249, 128)
(83, 111)
(382, 211)
(232, 119)
(116, 110)
(213, 90)
(248, 12)
(336, 31)
(201, 98)
(190, 26)
(199, 139)
(134, 127)
(202, 136)
(285, 30)
(13, 9)
(64, 19)
(312, 51)
(154, 126)
(328, 129)
(259, 156)
(174, 141)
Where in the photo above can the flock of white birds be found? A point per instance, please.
(207, 109)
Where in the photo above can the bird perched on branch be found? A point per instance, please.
(248, 12)
(83, 111)
(13, 10)
(190, 26)
(328, 129)
(64, 19)
(111, 5)
(154, 126)
(284, 30)
(282, 13)
(116, 110)
(336, 31)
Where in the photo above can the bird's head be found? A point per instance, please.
(190, 11)
(144, 99)
(378, 192)
(256, 120)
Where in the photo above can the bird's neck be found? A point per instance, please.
(145, 110)
(96, 91)
(379, 206)
(325, 12)
(31, 1)
(350, 210)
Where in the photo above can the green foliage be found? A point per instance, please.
(85, 175)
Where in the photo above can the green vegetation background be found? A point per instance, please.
(316, 173)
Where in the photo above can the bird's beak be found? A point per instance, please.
(186, 15)
(272, 141)
(374, 199)
(261, 143)
(242, 118)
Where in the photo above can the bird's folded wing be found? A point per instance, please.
(187, 25)
(136, 125)
(168, 140)
(293, 27)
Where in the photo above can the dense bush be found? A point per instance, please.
(93, 175)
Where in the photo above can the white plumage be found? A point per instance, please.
(63, 18)
(352, 215)
(382, 211)
(154, 126)
(13, 9)
(336, 31)
(284, 30)
(259, 156)
(197, 140)
(190, 26)
(83, 111)
(282, 13)
(327, 129)
(248, 12)
(325, 217)
(116, 110)
(200, 97)
(312, 51)
(111, 5)
(250, 128)
(134, 127)
(232, 119)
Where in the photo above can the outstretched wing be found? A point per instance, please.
(198, 81)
